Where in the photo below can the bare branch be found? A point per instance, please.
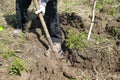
(93, 18)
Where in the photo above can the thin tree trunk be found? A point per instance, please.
(93, 18)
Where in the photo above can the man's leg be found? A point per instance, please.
(52, 21)
(21, 11)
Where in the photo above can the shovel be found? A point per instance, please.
(44, 25)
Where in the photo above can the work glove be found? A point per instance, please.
(40, 10)
(42, 7)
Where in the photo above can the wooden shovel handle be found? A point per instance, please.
(44, 25)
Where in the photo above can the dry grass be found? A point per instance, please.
(68, 5)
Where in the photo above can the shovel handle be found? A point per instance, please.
(44, 24)
(36, 4)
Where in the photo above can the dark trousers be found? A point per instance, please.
(51, 17)
(21, 11)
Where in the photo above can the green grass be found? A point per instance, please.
(17, 66)
(68, 5)
(72, 79)
(2, 46)
(111, 9)
(6, 39)
(101, 44)
(76, 40)
(8, 53)
(21, 39)
(114, 31)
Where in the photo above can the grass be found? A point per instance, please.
(67, 5)
(101, 44)
(76, 40)
(111, 6)
(21, 39)
(8, 53)
(2, 46)
(114, 31)
(72, 79)
(6, 40)
(17, 66)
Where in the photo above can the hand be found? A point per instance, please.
(41, 10)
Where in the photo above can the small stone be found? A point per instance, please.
(47, 54)
(53, 72)
(118, 20)
(68, 73)
(0, 63)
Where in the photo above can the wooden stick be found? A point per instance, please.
(93, 18)
(44, 24)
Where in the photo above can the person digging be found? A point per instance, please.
(49, 9)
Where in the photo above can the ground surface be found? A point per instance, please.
(99, 61)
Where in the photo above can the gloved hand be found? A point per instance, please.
(41, 10)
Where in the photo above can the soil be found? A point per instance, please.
(99, 61)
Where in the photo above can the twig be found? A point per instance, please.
(93, 18)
